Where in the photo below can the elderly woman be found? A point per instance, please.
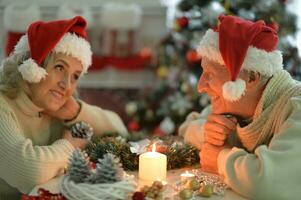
(251, 134)
(37, 84)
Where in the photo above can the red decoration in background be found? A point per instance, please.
(192, 56)
(130, 63)
(146, 53)
(44, 195)
(158, 131)
(183, 22)
(133, 126)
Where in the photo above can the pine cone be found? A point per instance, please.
(79, 168)
(108, 170)
(82, 130)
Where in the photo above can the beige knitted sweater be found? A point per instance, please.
(264, 169)
(31, 151)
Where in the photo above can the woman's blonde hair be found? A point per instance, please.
(10, 77)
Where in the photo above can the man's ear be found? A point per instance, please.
(252, 80)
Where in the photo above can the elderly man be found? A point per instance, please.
(251, 135)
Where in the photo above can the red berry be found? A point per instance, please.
(183, 22)
(138, 196)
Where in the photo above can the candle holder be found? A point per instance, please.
(186, 177)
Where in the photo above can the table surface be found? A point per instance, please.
(173, 176)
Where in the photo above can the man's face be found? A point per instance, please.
(60, 83)
(211, 81)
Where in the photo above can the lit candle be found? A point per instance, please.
(187, 177)
(152, 165)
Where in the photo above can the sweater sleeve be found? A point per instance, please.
(101, 120)
(192, 128)
(271, 172)
(24, 165)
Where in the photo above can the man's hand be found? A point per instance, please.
(68, 111)
(217, 128)
(208, 157)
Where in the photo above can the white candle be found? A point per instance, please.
(187, 176)
(152, 166)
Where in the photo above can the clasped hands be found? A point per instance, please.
(217, 128)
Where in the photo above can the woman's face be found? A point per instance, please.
(52, 92)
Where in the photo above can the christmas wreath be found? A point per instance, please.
(179, 154)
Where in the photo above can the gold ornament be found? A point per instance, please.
(162, 71)
(186, 194)
(206, 190)
(194, 185)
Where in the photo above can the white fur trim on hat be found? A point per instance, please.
(77, 47)
(31, 71)
(18, 16)
(234, 90)
(121, 16)
(22, 46)
(257, 60)
(70, 44)
(70, 10)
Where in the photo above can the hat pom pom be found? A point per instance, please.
(31, 71)
(234, 90)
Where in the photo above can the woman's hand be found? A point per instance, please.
(217, 128)
(68, 111)
(76, 142)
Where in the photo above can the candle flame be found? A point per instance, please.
(154, 147)
(186, 172)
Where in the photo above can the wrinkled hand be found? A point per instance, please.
(217, 128)
(208, 157)
(76, 142)
(68, 111)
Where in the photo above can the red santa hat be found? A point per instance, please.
(62, 36)
(241, 44)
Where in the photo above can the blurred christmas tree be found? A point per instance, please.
(161, 109)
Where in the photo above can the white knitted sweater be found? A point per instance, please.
(31, 151)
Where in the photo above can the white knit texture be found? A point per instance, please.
(257, 60)
(102, 191)
(31, 71)
(234, 90)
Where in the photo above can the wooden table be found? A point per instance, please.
(173, 176)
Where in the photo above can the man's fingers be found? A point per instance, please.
(217, 128)
(214, 141)
(229, 122)
(214, 134)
